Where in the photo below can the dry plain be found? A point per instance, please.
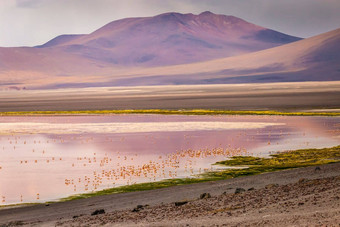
(293, 96)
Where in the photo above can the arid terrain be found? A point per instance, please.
(306, 196)
(262, 96)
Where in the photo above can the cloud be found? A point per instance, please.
(34, 22)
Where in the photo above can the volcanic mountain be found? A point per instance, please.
(171, 48)
(169, 39)
(166, 39)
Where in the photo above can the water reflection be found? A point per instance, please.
(46, 158)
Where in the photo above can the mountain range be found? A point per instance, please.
(172, 48)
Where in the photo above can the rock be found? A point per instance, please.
(13, 223)
(181, 203)
(286, 189)
(205, 195)
(99, 211)
(139, 208)
(302, 180)
(317, 169)
(251, 189)
(270, 186)
(239, 190)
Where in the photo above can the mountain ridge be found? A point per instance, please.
(76, 61)
(169, 39)
(313, 59)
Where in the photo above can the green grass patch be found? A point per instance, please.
(280, 161)
(170, 112)
(142, 187)
(18, 205)
(252, 166)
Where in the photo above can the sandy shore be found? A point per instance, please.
(293, 96)
(297, 197)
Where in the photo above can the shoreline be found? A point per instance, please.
(259, 173)
(237, 166)
(249, 166)
(168, 112)
(66, 211)
(77, 210)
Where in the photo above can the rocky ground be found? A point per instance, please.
(304, 203)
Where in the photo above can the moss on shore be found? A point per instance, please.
(170, 112)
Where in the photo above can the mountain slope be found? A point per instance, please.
(166, 39)
(84, 60)
(174, 38)
(313, 59)
(171, 38)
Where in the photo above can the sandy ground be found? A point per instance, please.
(298, 197)
(273, 96)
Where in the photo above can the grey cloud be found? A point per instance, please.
(34, 22)
(29, 3)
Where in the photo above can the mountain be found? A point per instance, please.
(169, 39)
(172, 48)
(312, 59)
(166, 39)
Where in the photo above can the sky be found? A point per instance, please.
(34, 22)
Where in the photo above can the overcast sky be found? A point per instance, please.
(34, 22)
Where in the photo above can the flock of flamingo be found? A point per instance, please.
(108, 169)
(164, 167)
(87, 170)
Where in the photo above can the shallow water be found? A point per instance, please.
(44, 158)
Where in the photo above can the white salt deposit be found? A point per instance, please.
(131, 127)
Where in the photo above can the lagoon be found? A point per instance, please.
(45, 158)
